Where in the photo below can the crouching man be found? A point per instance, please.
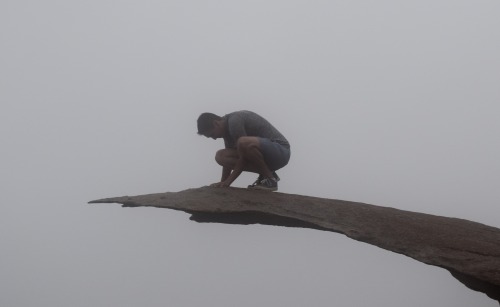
(252, 144)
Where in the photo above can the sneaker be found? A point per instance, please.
(260, 178)
(276, 176)
(266, 184)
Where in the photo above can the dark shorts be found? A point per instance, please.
(275, 154)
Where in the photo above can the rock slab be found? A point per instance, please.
(469, 250)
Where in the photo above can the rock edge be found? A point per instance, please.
(469, 250)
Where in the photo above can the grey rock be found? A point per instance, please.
(469, 250)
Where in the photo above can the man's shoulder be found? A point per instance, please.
(241, 113)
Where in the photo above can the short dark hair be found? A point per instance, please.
(206, 122)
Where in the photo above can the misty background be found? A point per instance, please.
(388, 103)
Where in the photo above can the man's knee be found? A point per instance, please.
(226, 157)
(219, 156)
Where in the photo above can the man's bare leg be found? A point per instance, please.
(249, 148)
(229, 157)
(246, 157)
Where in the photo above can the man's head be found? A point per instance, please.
(210, 125)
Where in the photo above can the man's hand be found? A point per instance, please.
(222, 184)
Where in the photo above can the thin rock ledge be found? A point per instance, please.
(469, 250)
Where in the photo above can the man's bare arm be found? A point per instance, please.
(226, 171)
(238, 169)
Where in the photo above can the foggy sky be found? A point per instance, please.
(388, 103)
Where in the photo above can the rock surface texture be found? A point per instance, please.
(469, 250)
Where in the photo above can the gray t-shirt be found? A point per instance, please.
(247, 123)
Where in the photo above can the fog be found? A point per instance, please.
(388, 103)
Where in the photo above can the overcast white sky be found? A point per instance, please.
(386, 102)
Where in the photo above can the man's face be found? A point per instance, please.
(216, 132)
(211, 134)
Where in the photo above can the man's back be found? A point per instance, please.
(248, 123)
